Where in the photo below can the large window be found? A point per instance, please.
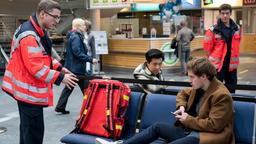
(249, 20)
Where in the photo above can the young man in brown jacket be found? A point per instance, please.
(204, 112)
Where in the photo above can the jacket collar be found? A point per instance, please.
(35, 24)
(220, 25)
(148, 72)
(142, 69)
(79, 32)
(212, 87)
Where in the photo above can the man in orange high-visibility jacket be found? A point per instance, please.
(31, 71)
(222, 42)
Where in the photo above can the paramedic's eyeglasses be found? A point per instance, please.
(56, 17)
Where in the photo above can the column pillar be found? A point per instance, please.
(95, 17)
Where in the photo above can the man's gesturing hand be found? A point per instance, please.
(66, 71)
(70, 80)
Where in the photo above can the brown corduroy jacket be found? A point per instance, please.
(214, 121)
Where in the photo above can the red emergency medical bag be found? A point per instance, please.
(103, 109)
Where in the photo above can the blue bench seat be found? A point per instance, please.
(157, 108)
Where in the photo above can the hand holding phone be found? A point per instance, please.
(173, 113)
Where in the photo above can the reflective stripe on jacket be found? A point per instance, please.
(216, 47)
(31, 71)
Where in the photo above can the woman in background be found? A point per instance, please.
(89, 40)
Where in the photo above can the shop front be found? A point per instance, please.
(249, 27)
(142, 27)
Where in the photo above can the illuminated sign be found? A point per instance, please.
(186, 4)
(207, 2)
(101, 4)
(218, 3)
(148, 1)
(249, 2)
(145, 7)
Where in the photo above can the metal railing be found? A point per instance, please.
(4, 55)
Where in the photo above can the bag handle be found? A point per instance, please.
(86, 109)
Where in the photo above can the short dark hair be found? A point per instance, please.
(183, 23)
(202, 65)
(225, 7)
(154, 53)
(47, 5)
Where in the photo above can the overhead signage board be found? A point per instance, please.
(135, 7)
(186, 4)
(148, 1)
(217, 3)
(104, 4)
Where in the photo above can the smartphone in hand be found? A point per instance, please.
(173, 113)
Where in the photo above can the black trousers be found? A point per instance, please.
(230, 78)
(166, 131)
(31, 124)
(62, 102)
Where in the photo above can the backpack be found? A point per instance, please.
(174, 45)
(103, 109)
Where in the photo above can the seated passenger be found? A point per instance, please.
(151, 70)
(204, 112)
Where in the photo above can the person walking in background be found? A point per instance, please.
(76, 59)
(184, 37)
(222, 42)
(204, 112)
(31, 71)
(174, 43)
(89, 40)
(151, 70)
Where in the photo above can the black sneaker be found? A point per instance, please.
(3, 129)
(62, 111)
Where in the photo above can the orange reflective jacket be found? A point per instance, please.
(216, 47)
(31, 71)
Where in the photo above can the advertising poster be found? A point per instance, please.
(101, 42)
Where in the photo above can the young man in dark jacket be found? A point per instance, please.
(222, 43)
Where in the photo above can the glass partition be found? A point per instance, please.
(249, 20)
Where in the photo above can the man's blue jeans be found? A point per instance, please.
(168, 132)
(184, 58)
